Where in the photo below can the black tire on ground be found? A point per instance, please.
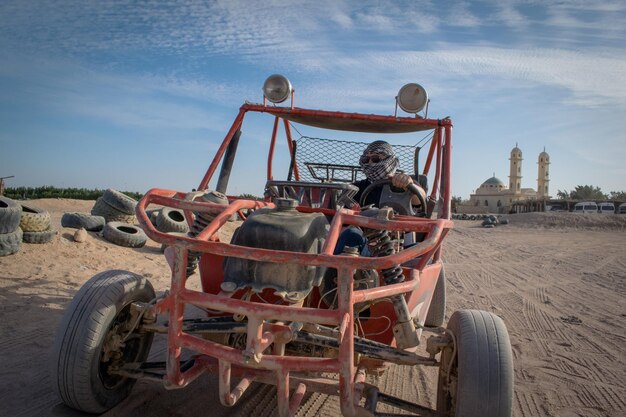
(152, 215)
(34, 219)
(39, 237)
(171, 220)
(482, 368)
(78, 220)
(119, 201)
(10, 215)
(10, 242)
(98, 315)
(124, 234)
(437, 310)
(110, 214)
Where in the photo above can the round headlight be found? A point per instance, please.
(277, 88)
(412, 98)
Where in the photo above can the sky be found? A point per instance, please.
(133, 95)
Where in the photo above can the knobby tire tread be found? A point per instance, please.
(34, 219)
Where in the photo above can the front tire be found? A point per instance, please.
(85, 344)
(480, 383)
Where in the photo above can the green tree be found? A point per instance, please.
(563, 194)
(587, 192)
(617, 195)
(48, 191)
(250, 197)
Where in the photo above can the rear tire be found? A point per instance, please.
(97, 314)
(481, 374)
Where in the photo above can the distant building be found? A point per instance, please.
(496, 197)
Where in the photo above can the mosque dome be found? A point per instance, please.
(492, 183)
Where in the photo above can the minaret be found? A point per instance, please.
(543, 177)
(515, 178)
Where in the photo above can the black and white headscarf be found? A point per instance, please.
(384, 168)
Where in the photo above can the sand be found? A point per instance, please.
(557, 280)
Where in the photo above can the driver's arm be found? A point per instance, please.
(401, 180)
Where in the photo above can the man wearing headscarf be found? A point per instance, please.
(378, 162)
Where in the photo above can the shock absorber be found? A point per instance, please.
(380, 244)
(201, 220)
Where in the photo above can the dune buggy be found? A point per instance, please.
(279, 304)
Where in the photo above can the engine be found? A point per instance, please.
(280, 228)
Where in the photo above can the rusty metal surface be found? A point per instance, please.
(354, 122)
(276, 325)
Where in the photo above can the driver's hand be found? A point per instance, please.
(401, 180)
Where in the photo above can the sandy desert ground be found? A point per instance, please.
(558, 281)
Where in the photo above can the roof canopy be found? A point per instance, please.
(356, 122)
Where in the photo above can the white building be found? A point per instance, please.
(496, 197)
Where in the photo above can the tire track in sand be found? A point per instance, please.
(529, 405)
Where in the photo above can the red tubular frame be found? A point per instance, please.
(254, 363)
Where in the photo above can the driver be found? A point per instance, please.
(377, 162)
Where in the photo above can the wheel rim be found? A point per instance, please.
(448, 382)
(120, 348)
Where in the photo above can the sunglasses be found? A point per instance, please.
(374, 159)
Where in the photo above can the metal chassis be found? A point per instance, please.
(268, 324)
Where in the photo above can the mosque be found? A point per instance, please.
(496, 197)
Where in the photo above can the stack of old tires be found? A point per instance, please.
(22, 222)
(10, 232)
(115, 207)
(36, 225)
(118, 211)
(113, 214)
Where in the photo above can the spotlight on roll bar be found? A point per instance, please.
(277, 88)
(412, 98)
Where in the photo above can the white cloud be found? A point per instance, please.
(272, 36)
(463, 17)
(342, 19)
(376, 21)
(587, 5)
(509, 15)
(591, 77)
